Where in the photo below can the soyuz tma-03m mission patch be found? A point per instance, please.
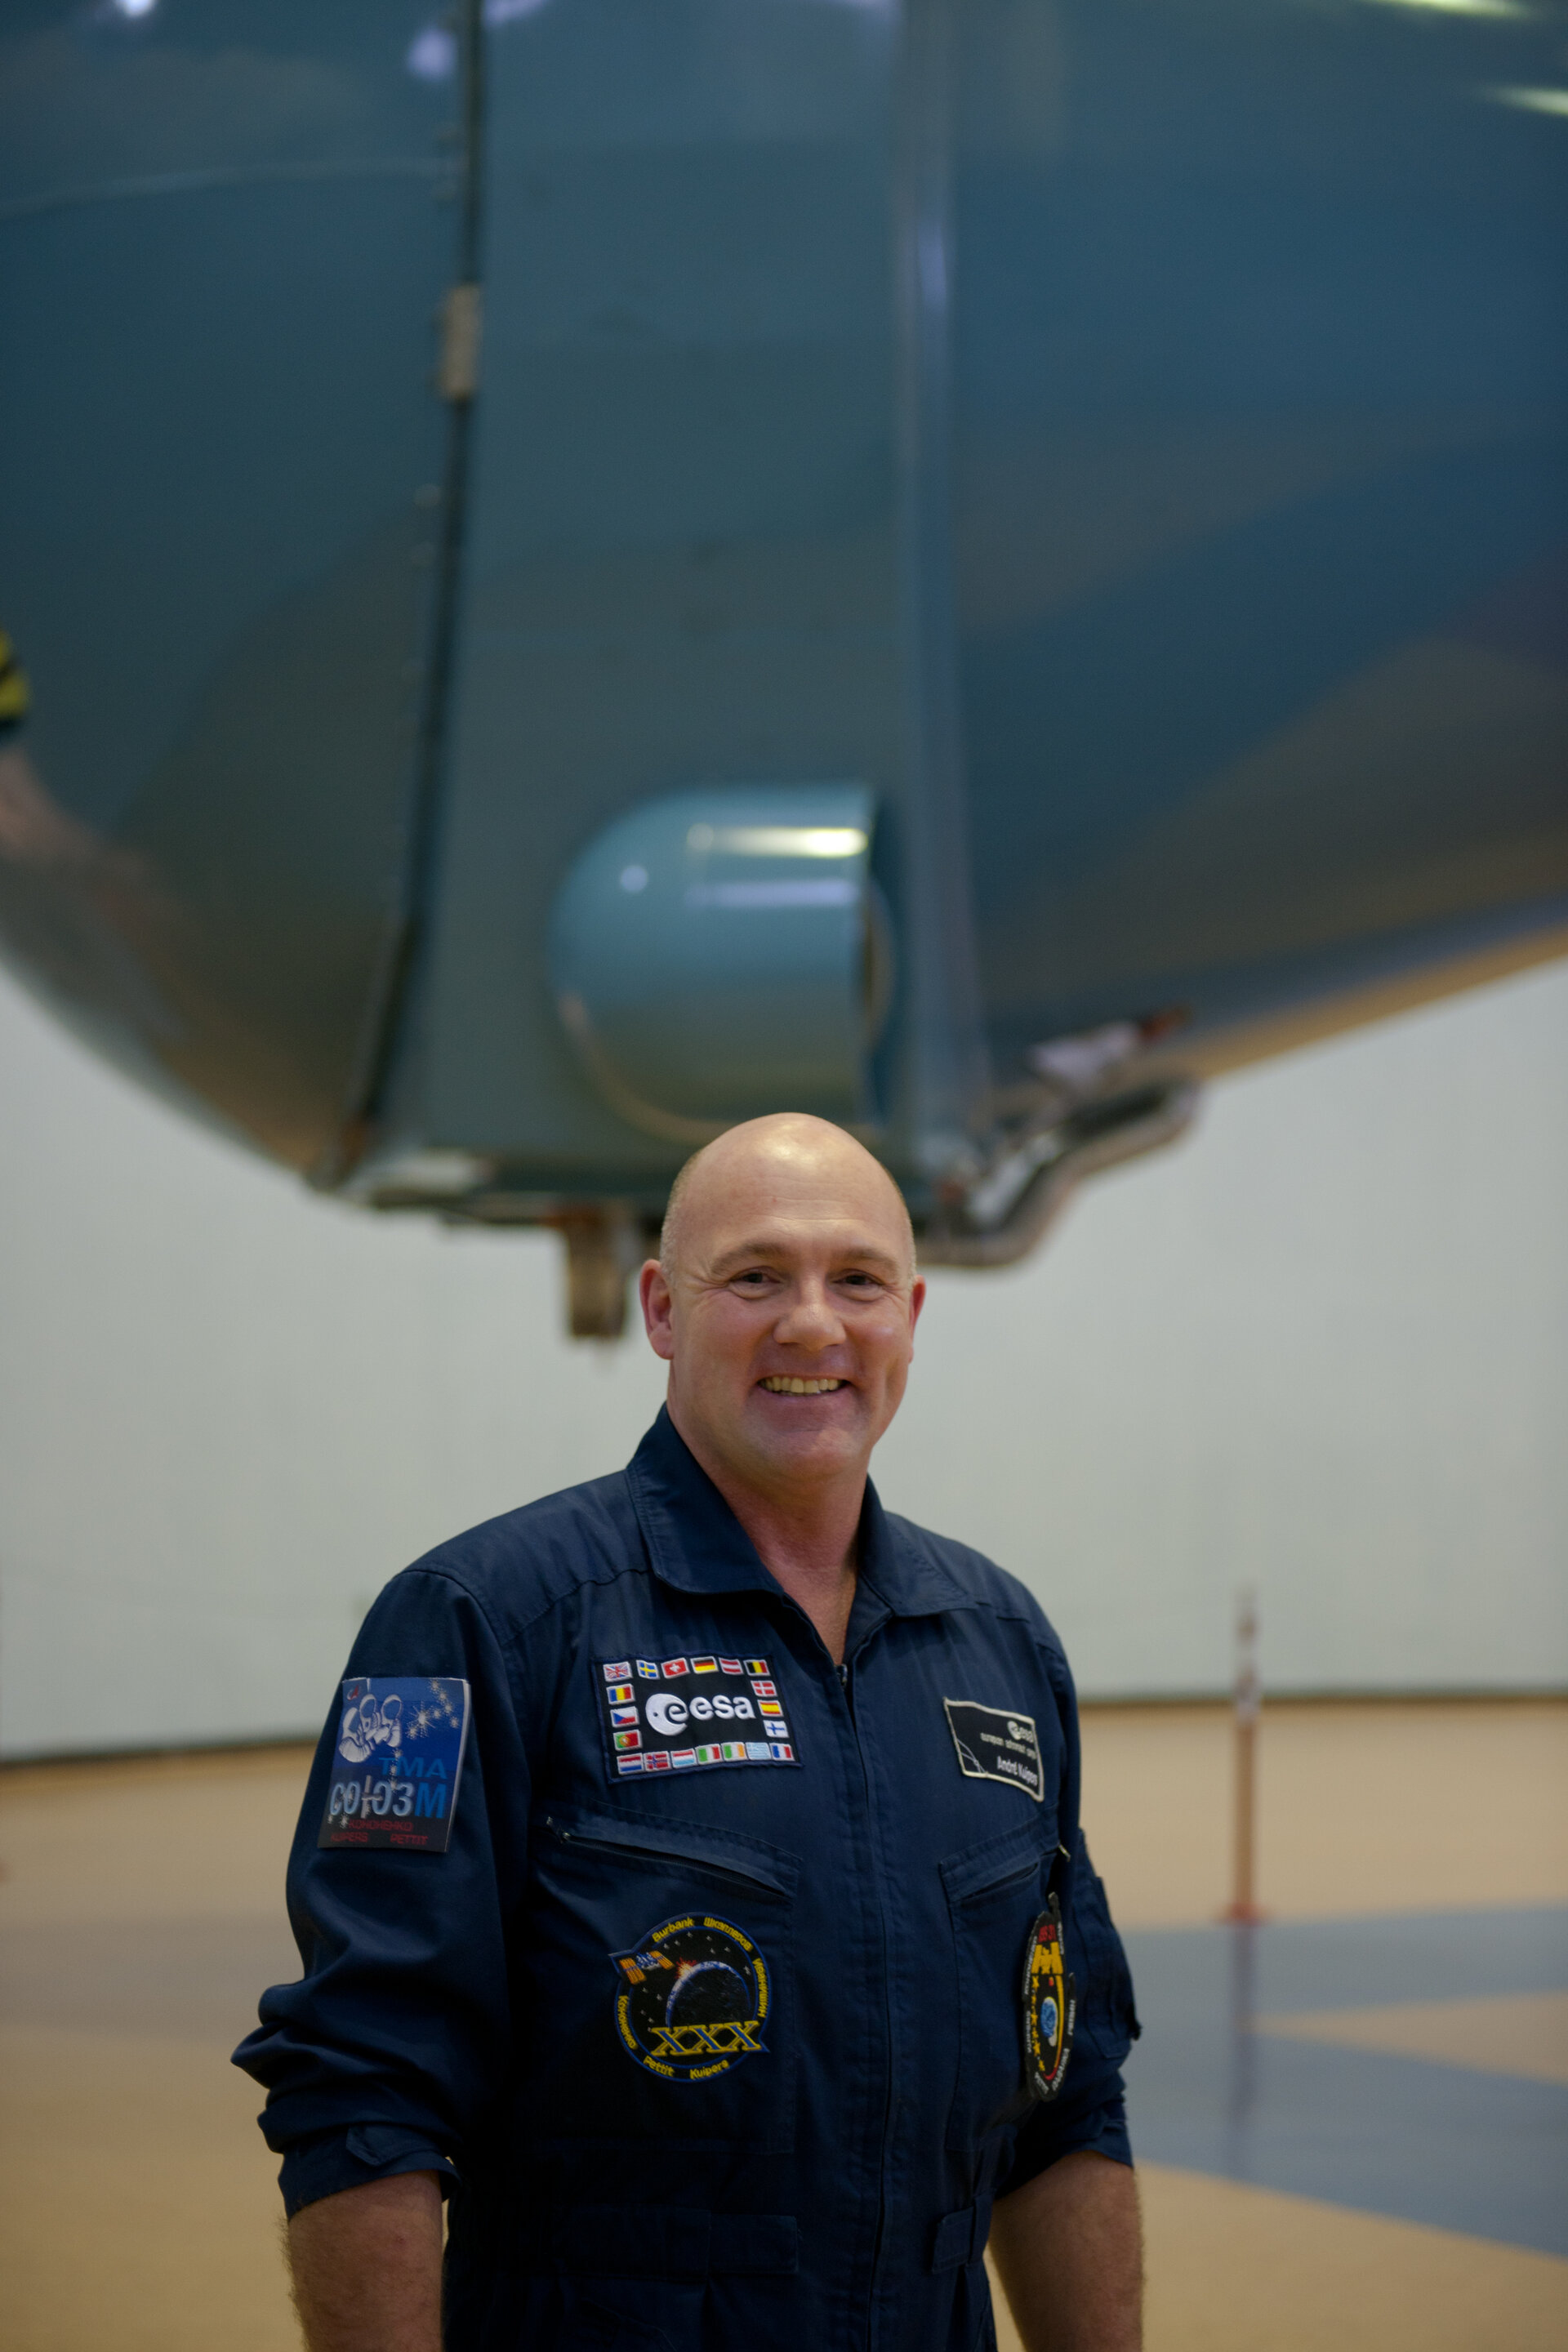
(686, 1714)
(994, 1743)
(396, 1766)
(693, 1999)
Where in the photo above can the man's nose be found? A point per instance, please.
(811, 1319)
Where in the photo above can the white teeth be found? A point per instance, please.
(782, 1385)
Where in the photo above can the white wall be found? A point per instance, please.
(1323, 1346)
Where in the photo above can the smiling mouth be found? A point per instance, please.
(785, 1384)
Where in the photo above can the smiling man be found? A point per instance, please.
(714, 1928)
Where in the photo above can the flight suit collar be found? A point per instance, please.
(696, 1543)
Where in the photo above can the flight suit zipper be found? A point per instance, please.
(846, 1684)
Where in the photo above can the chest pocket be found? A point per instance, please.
(656, 1998)
(996, 1892)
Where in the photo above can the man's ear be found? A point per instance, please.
(653, 1289)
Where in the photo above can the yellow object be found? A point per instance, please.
(15, 695)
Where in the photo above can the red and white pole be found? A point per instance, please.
(1243, 1904)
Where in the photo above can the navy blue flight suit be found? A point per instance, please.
(721, 2051)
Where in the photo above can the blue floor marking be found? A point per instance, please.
(1456, 2149)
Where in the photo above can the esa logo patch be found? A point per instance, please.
(685, 1715)
(394, 1772)
(994, 1743)
(693, 1999)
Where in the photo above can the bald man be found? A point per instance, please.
(717, 1935)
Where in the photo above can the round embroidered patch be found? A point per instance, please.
(693, 1999)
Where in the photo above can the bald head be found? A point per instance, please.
(772, 1156)
(785, 1301)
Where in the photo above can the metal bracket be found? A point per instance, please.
(1007, 1210)
(462, 320)
(605, 1245)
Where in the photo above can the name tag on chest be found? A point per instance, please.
(995, 1743)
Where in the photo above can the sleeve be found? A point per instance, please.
(385, 2056)
(1089, 2110)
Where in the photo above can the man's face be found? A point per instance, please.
(788, 1318)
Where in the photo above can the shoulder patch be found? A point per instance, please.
(396, 1764)
(1050, 2004)
(704, 1711)
(993, 1743)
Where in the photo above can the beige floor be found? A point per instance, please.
(138, 2210)
(1508, 2033)
(172, 1837)
(1414, 1806)
(1246, 2269)
(137, 2206)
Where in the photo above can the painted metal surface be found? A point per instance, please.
(226, 230)
(1262, 500)
(717, 952)
(1128, 438)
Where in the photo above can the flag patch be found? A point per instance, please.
(679, 1715)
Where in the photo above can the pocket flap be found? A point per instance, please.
(726, 1850)
(979, 1868)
